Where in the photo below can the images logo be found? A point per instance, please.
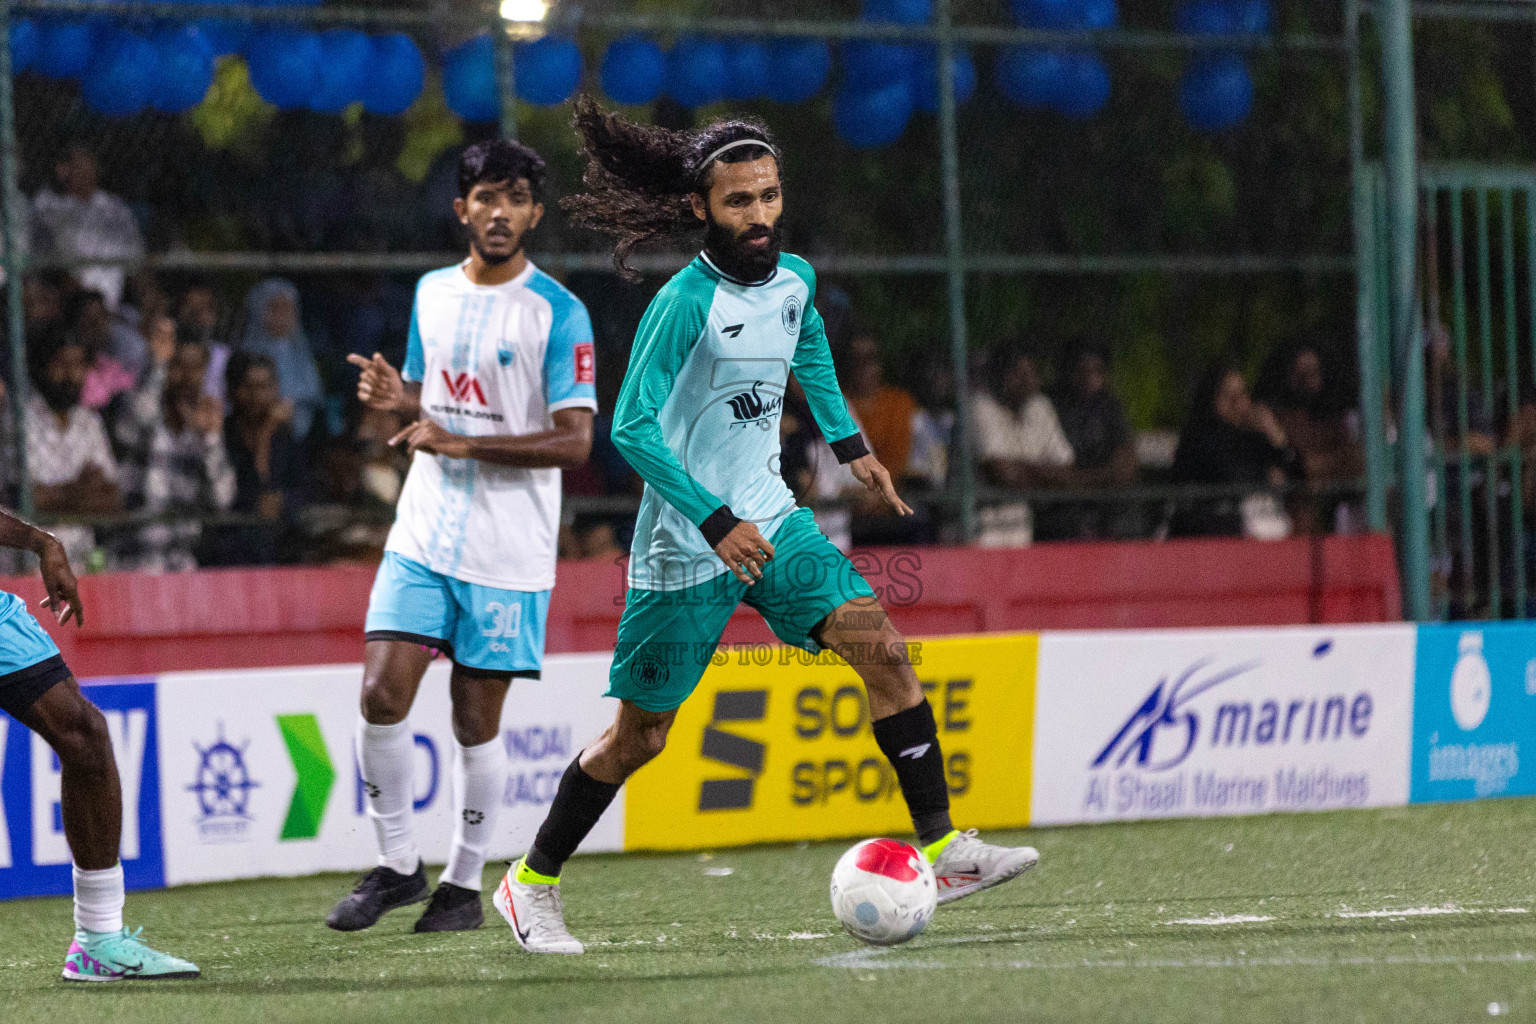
(223, 787)
(750, 407)
(463, 387)
(736, 751)
(1471, 683)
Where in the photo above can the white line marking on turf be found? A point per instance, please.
(1220, 919)
(878, 959)
(1448, 908)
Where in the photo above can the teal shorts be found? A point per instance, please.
(667, 637)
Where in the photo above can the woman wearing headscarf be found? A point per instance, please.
(273, 329)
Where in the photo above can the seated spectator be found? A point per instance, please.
(68, 458)
(347, 521)
(1320, 435)
(91, 324)
(273, 329)
(1230, 439)
(199, 318)
(1103, 448)
(1019, 445)
(267, 463)
(81, 222)
(885, 412)
(933, 425)
(144, 302)
(174, 463)
(44, 295)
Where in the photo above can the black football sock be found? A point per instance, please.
(578, 803)
(910, 740)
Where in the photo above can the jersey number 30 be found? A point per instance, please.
(506, 620)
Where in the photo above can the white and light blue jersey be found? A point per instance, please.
(491, 360)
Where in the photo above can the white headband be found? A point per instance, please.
(734, 145)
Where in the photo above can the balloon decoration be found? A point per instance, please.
(396, 75)
(925, 93)
(225, 35)
(1074, 83)
(284, 66)
(869, 118)
(696, 73)
(24, 44)
(122, 75)
(63, 48)
(1029, 77)
(1216, 92)
(547, 71)
(1225, 17)
(800, 69)
(469, 80)
(1084, 87)
(634, 70)
(345, 54)
(871, 64)
(746, 70)
(185, 60)
(899, 12)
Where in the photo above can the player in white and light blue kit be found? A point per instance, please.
(499, 378)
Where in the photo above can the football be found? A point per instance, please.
(883, 891)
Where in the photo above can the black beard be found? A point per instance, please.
(60, 397)
(490, 259)
(737, 259)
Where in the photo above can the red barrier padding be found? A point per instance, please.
(250, 618)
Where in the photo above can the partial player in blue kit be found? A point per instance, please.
(499, 381)
(37, 689)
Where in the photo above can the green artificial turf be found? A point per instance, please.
(1415, 914)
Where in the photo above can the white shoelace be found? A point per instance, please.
(547, 911)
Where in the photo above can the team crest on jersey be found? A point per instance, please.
(790, 314)
(504, 356)
(751, 407)
(648, 670)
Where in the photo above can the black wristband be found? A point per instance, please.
(717, 524)
(850, 448)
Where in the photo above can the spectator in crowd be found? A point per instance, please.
(884, 412)
(1230, 439)
(81, 222)
(1019, 445)
(1103, 448)
(1297, 395)
(144, 302)
(44, 295)
(273, 328)
(174, 463)
(91, 324)
(933, 425)
(68, 458)
(198, 318)
(267, 463)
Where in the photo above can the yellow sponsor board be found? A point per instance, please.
(776, 745)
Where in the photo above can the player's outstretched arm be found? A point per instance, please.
(58, 578)
(380, 386)
(566, 445)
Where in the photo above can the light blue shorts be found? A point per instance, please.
(30, 663)
(478, 627)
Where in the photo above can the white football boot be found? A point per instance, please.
(534, 911)
(965, 865)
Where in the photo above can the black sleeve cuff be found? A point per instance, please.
(850, 448)
(718, 523)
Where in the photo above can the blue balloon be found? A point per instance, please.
(395, 76)
(696, 71)
(1084, 86)
(869, 118)
(547, 70)
(122, 76)
(284, 64)
(225, 35)
(63, 48)
(899, 12)
(1216, 92)
(869, 64)
(24, 44)
(469, 80)
(746, 70)
(1030, 77)
(186, 68)
(634, 70)
(798, 69)
(1206, 18)
(1255, 17)
(1099, 14)
(342, 71)
(925, 95)
(1052, 14)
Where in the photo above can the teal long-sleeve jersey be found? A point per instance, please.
(698, 414)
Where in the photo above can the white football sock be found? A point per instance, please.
(479, 782)
(384, 753)
(99, 899)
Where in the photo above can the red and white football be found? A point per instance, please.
(883, 891)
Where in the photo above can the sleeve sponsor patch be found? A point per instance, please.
(586, 363)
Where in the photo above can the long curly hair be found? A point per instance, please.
(639, 178)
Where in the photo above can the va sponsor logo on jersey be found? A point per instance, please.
(790, 315)
(223, 789)
(1474, 704)
(463, 387)
(34, 855)
(586, 363)
(749, 407)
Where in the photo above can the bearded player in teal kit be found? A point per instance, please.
(698, 418)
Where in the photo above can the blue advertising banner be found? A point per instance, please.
(1474, 712)
(34, 857)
